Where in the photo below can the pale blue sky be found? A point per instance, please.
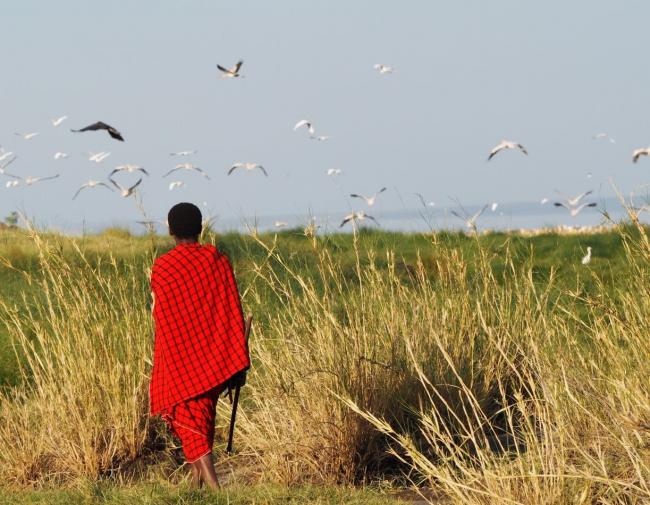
(467, 73)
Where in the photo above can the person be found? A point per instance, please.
(199, 346)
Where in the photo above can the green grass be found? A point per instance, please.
(151, 494)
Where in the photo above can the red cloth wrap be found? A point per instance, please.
(199, 341)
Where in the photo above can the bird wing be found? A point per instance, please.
(453, 212)
(172, 170)
(373, 219)
(477, 215)
(120, 188)
(237, 66)
(99, 125)
(494, 151)
(202, 172)
(114, 171)
(263, 170)
(233, 168)
(562, 204)
(83, 186)
(523, 149)
(223, 69)
(115, 134)
(135, 185)
(143, 171)
(46, 178)
(380, 191)
(354, 195)
(301, 123)
(346, 219)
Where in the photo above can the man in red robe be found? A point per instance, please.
(199, 343)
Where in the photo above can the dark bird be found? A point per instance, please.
(102, 126)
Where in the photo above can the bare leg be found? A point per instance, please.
(196, 476)
(205, 466)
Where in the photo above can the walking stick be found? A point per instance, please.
(235, 401)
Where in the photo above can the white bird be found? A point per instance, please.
(587, 257)
(574, 211)
(3, 167)
(176, 184)
(183, 153)
(29, 180)
(27, 136)
(370, 200)
(280, 224)
(247, 166)
(544, 201)
(357, 216)
(91, 184)
(97, 157)
(12, 184)
(383, 69)
(573, 201)
(506, 144)
(4, 154)
(604, 135)
(307, 124)
(644, 151)
(334, 171)
(494, 206)
(320, 137)
(126, 192)
(57, 121)
(60, 156)
(128, 168)
(188, 167)
(231, 72)
(470, 221)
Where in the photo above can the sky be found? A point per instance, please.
(466, 74)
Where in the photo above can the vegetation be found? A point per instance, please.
(491, 369)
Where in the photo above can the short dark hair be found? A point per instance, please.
(185, 220)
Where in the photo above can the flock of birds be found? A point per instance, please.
(574, 205)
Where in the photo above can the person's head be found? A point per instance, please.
(184, 221)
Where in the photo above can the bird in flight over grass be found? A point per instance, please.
(231, 72)
(91, 184)
(99, 125)
(57, 121)
(176, 184)
(587, 257)
(356, 216)
(187, 166)
(307, 124)
(644, 151)
(370, 200)
(124, 191)
(603, 135)
(280, 224)
(247, 166)
(574, 210)
(506, 144)
(183, 153)
(27, 136)
(128, 168)
(383, 69)
(573, 201)
(470, 221)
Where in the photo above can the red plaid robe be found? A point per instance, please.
(199, 341)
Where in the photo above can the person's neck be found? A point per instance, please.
(185, 241)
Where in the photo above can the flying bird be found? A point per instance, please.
(99, 125)
(27, 136)
(383, 69)
(334, 171)
(231, 72)
(176, 184)
(247, 166)
(4, 154)
(128, 168)
(60, 156)
(644, 151)
(587, 257)
(470, 221)
(29, 180)
(370, 200)
(307, 124)
(574, 211)
(126, 192)
(12, 184)
(183, 153)
(91, 184)
(280, 224)
(506, 144)
(57, 121)
(573, 201)
(5, 165)
(356, 216)
(494, 206)
(603, 135)
(187, 166)
(97, 157)
(543, 201)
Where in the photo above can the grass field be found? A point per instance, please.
(492, 369)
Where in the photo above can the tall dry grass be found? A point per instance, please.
(488, 386)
